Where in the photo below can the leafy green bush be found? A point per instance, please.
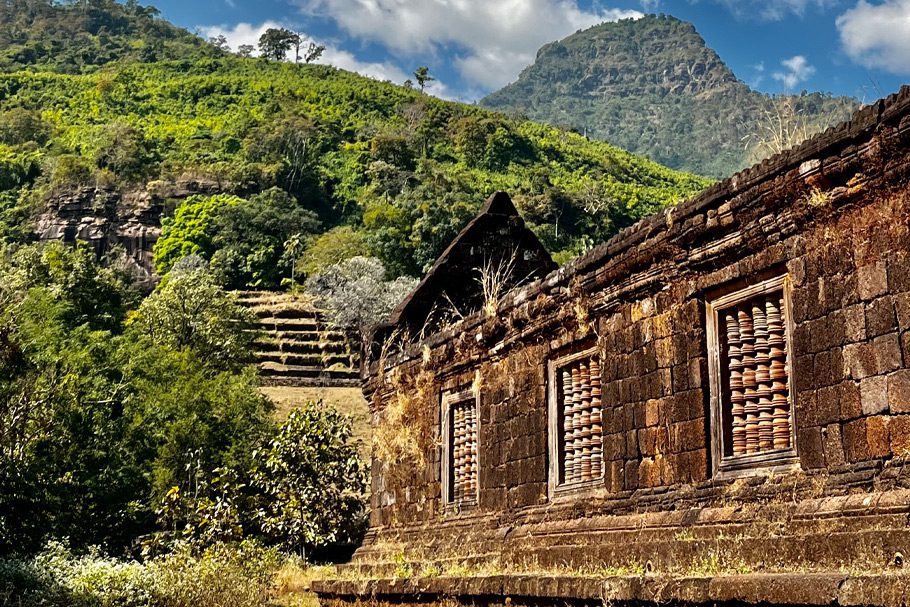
(310, 481)
(96, 422)
(250, 239)
(335, 246)
(224, 575)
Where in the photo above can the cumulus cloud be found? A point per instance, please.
(773, 10)
(247, 33)
(492, 40)
(797, 70)
(878, 35)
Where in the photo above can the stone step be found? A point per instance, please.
(273, 369)
(312, 359)
(301, 346)
(310, 382)
(285, 311)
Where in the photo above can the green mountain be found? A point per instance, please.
(81, 35)
(652, 86)
(105, 154)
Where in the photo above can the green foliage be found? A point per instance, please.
(275, 43)
(122, 149)
(250, 239)
(311, 480)
(74, 37)
(335, 246)
(652, 86)
(226, 575)
(356, 151)
(94, 422)
(189, 310)
(190, 231)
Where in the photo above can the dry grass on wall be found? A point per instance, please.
(405, 432)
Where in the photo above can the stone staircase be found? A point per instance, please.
(297, 346)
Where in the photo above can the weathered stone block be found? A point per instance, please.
(899, 272)
(811, 448)
(899, 391)
(887, 353)
(856, 447)
(874, 394)
(859, 360)
(823, 407)
(881, 317)
(902, 308)
(652, 412)
(872, 280)
(877, 435)
(900, 435)
(828, 367)
(855, 323)
(833, 445)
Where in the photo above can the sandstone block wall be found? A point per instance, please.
(832, 215)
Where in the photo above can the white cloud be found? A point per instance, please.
(798, 70)
(246, 33)
(773, 10)
(878, 35)
(492, 40)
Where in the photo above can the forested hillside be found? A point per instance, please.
(401, 170)
(652, 86)
(81, 35)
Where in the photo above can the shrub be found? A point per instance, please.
(334, 247)
(225, 575)
(311, 481)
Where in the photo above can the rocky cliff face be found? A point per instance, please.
(106, 217)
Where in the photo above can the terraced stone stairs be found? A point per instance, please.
(297, 346)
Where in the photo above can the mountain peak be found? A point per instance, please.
(653, 86)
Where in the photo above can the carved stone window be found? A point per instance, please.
(752, 404)
(460, 448)
(576, 421)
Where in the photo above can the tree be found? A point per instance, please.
(311, 481)
(335, 246)
(275, 43)
(356, 293)
(191, 230)
(313, 53)
(422, 76)
(249, 239)
(220, 43)
(293, 247)
(246, 50)
(189, 310)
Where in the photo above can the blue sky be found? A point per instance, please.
(850, 47)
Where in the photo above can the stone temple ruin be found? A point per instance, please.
(711, 408)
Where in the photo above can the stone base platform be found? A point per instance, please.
(826, 588)
(839, 550)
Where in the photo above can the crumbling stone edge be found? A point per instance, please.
(821, 588)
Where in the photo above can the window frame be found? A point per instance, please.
(737, 466)
(450, 399)
(554, 429)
